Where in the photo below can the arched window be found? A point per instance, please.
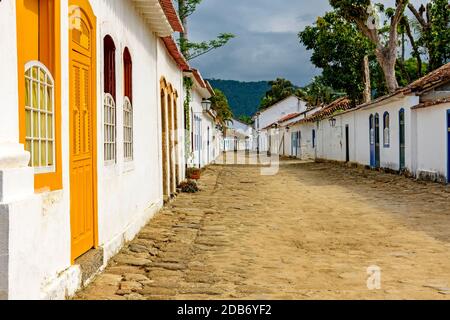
(386, 130)
(40, 117)
(128, 74)
(109, 105)
(128, 106)
(128, 129)
(39, 88)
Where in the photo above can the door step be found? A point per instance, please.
(90, 263)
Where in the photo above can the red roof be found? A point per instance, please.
(210, 88)
(289, 117)
(339, 105)
(199, 78)
(432, 103)
(175, 53)
(171, 14)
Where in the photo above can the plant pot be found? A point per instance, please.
(194, 174)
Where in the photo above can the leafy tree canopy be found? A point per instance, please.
(318, 93)
(192, 50)
(384, 37)
(280, 89)
(220, 105)
(338, 49)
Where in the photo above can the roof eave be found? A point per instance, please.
(154, 15)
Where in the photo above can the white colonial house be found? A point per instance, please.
(239, 137)
(92, 138)
(205, 136)
(406, 131)
(266, 136)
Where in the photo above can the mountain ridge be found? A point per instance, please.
(244, 97)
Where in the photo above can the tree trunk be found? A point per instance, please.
(387, 58)
(367, 95)
(183, 35)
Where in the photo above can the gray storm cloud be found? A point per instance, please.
(266, 46)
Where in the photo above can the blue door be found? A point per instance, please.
(448, 146)
(294, 144)
(372, 141)
(377, 141)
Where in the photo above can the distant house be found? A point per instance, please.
(239, 137)
(204, 136)
(268, 120)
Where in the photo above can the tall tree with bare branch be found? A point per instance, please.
(362, 12)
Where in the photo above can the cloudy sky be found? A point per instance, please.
(266, 46)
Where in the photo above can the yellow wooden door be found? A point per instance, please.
(82, 130)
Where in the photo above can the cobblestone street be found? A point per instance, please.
(309, 232)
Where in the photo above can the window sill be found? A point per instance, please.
(128, 166)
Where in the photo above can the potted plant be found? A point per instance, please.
(193, 173)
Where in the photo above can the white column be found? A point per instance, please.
(16, 178)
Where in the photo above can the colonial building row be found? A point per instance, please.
(407, 131)
(93, 134)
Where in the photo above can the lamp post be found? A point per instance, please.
(333, 122)
(206, 104)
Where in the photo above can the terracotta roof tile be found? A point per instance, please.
(199, 78)
(175, 53)
(341, 104)
(289, 117)
(432, 103)
(171, 14)
(434, 78)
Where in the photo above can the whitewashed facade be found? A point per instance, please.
(131, 180)
(407, 131)
(239, 137)
(204, 134)
(266, 138)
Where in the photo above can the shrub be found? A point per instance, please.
(189, 186)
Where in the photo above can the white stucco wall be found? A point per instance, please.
(203, 155)
(331, 141)
(271, 115)
(40, 241)
(432, 145)
(279, 110)
(9, 130)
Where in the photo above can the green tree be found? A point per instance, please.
(318, 93)
(338, 49)
(219, 103)
(246, 119)
(385, 41)
(279, 89)
(192, 50)
(433, 25)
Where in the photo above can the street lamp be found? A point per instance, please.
(206, 104)
(333, 122)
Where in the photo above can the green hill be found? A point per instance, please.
(244, 97)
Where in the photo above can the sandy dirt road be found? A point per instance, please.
(309, 232)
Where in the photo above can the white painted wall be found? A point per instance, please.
(203, 155)
(273, 114)
(127, 193)
(426, 135)
(432, 148)
(9, 130)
